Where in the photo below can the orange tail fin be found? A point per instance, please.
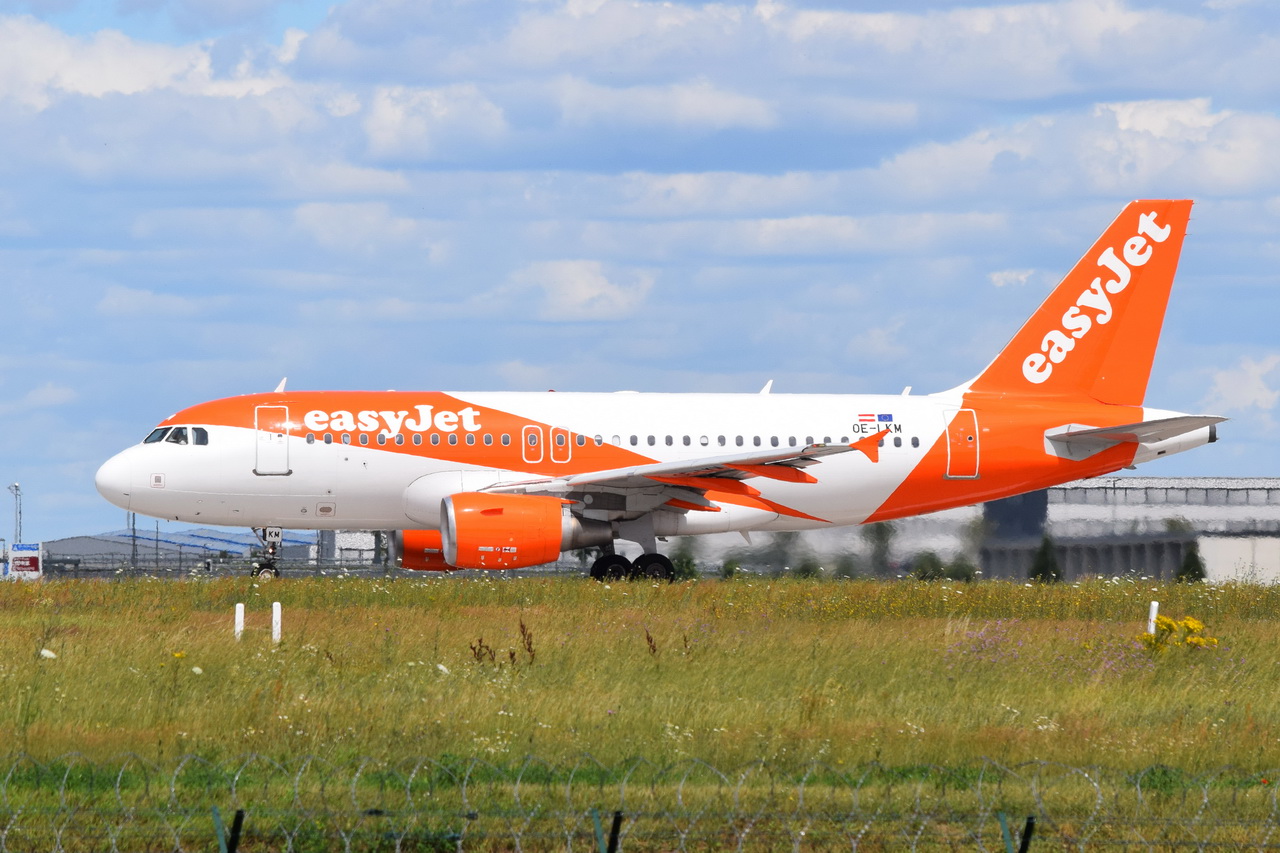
(1096, 333)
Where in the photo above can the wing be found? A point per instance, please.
(683, 485)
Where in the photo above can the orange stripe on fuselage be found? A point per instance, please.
(1012, 457)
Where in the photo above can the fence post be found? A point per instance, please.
(239, 620)
(275, 622)
(595, 819)
(615, 832)
(1004, 832)
(1151, 617)
(1028, 831)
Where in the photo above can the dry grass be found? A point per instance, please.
(729, 672)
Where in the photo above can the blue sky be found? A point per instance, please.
(199, 197)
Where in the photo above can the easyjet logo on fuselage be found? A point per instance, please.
(1093, 305)
(423, 419)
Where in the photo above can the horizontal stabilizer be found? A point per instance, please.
(1075, 441)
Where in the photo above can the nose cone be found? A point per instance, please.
(115, 480)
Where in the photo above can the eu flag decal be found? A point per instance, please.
(885, 419)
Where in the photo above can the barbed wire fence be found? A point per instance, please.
(450, 803)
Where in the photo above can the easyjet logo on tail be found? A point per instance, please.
(1093, 305)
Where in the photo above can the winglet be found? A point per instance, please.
(768, 386)
(280, 387)
(870, 445)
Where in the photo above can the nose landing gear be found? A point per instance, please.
(266, 568)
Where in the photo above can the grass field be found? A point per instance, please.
(731, 672)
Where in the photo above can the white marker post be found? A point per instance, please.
(239, 620)
(1151, 617)
(275, 622)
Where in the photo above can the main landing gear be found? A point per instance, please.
(615, 567)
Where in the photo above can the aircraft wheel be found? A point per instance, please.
(265, 573)
(654, 566)
(611, 567)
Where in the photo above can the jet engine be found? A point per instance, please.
(420, 550)
(486, 531)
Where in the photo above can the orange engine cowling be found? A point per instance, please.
(421, 551)
(483, 531)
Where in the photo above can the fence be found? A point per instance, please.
(448, 803)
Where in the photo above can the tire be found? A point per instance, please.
(265, 572)
(655, 566)
(611, 567)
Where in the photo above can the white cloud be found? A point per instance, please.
(1245, 387)
(698, 104)
(358, 227)
(408, 122)
(580, 290)
(1005, 278)
(39, 64)
(120, 301)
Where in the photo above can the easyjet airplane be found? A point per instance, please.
(497, 480)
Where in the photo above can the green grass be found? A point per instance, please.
(907, 674)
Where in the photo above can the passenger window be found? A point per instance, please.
(157, 434)
(417, 438)
(808, 439)
(617, 440)
(382, 438)
(488, 439)
(471, 438)
(506, 439)
(328, 438)
(399, 438)
(686, 441)
(346, 438)
(364, 438)
(580, 440)
(826, 439)
(915, 441)
(738, 441)
(704, 441)
(652, 441)
(722, 441)
(200, 435)
(635, 439)
(435, 438)
(533, 439)
(756, 440)
(453, 438)
(880, 443)
(792, 441)
(559, 439)
(178, 436)
(311, 438)
(844, 439)
(669, 441)
(897, 441)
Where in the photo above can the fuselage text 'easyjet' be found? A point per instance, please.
(1076, 323)
(424, 419)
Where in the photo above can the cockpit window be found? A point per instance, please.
(178, 435)
(199, 435)
(157, 434)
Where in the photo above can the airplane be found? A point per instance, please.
(506, 480)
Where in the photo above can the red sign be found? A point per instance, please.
(25, 564)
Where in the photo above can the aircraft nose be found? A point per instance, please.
(115, 480)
